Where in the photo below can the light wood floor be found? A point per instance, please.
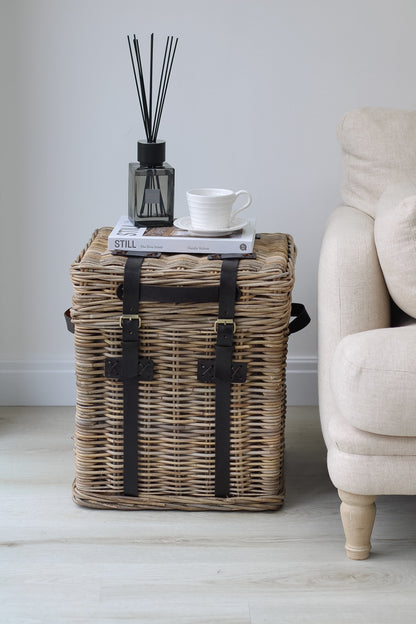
(63, 564)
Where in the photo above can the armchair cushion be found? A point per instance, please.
(395, 239)
(349, 439)
(379, 149)
(373, 379)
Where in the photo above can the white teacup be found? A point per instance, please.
(212, 208)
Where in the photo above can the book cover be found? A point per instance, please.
(128, 239)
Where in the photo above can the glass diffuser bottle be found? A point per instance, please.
(151, 179)
(151, 186)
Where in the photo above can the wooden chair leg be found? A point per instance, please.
(357, 513)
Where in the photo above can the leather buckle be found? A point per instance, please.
(130, 317)
(225, 322)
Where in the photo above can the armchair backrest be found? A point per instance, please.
(379, 149)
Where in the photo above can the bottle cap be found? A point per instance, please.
(151, 153)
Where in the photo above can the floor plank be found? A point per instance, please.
(62, 563)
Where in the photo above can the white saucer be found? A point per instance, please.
(184, 223)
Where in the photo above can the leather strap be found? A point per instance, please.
(130, 323)
(225, 327)
(177, 294)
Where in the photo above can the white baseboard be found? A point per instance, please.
(46, 382)
(53, 382)
(302, 380)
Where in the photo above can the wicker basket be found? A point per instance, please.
(176, 450)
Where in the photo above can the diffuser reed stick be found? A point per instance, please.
(152, 116)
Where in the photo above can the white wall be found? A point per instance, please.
(256, 92)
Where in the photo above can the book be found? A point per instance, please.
(126, 239)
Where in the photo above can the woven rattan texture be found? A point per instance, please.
(176, 415)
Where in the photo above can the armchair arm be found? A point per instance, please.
(352, 295)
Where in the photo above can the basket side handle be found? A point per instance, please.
(69, 324)
(300, 318)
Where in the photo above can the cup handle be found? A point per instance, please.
(244, 206)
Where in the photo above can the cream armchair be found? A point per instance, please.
(367, 355)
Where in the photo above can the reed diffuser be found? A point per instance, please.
(151, 179)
